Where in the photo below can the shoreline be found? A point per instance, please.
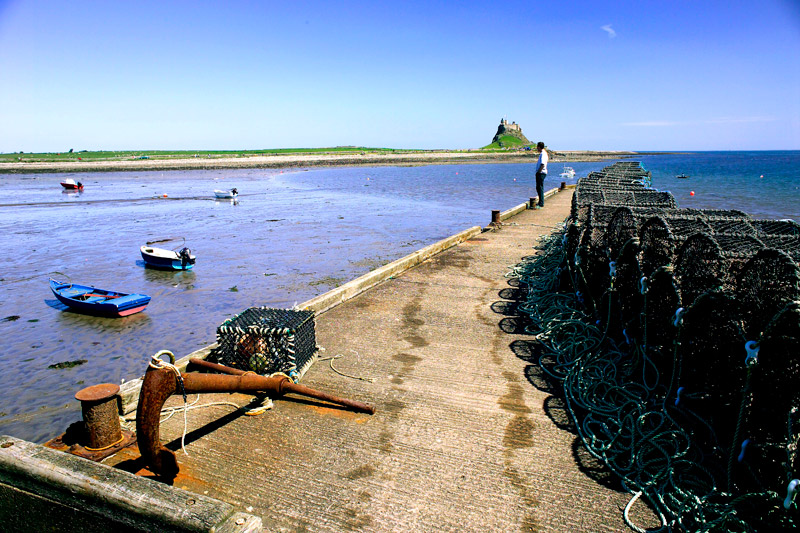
(306, 160)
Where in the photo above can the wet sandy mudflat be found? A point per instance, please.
(290, 236)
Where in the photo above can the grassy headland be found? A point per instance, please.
(130, 155)
(144, 160)
(507, 141)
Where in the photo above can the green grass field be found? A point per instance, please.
(85, 155)
(123, 155)
(506, 142)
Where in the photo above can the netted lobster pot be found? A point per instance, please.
(603, 214)
(574, 234)
(724, 214)
(737, 250)
(592, 264)
(786, 243)
(732, 226)
(712, 369)
(683, 227)
(621, 228)
(768, 282)
(649, 198)
(772, 421)
(267, 340)
(618, 197)
(698, 267)
(777, 227)
(615, 184)
(582, 201)
(662, 301)
(658, 245)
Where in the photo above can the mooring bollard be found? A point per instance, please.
(100, 415)
(563, 185)
(495, 216)
(532, 201)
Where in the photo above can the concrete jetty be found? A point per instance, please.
(462, 438)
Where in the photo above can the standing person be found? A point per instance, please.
(541, 173)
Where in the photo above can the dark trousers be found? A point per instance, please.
(540, 187)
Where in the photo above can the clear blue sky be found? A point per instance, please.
(619, 75)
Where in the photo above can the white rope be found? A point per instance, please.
(157, 363)
(339, 356)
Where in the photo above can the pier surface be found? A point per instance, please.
(462, 438)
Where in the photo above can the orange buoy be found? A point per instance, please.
(691, 193)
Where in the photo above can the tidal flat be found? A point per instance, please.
(291, 235)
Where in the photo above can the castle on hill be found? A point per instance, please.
(510, 127)
(513, 129)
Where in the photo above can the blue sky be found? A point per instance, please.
(582, 75)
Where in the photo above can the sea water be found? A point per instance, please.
(290, 236)
(763, 184)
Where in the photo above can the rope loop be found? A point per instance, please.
(752, 348)
(678, 320)
(157, 362)
(122, 438)
(791, 491)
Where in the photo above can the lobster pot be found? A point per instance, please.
(267, 340)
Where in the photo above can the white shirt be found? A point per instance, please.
(542, 161)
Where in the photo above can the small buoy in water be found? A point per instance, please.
(515, 179)
(691, 193)
(762, 175)
(165, 195)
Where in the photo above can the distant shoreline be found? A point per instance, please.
(295, 160)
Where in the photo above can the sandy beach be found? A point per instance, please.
(410, 158)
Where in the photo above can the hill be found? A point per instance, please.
(509, 135)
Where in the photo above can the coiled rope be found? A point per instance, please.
(624, 410)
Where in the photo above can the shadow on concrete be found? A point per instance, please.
(556, 410)
(542, 372)
(594, 468)
(514, 325)
(515, 294)
(505, 308)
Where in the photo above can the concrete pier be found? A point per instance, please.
(465, 436)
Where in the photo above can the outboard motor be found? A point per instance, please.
(186, 256)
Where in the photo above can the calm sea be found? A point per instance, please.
(292, 235)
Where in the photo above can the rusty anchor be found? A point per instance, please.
(162, 381)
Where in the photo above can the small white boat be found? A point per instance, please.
(233, 193)
(568, 173)
(70, 184)
(160, 258)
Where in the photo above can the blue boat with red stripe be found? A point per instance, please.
(98, 302)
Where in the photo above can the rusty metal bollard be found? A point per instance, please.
(495, 216)
(563, 185)
(100, 415)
